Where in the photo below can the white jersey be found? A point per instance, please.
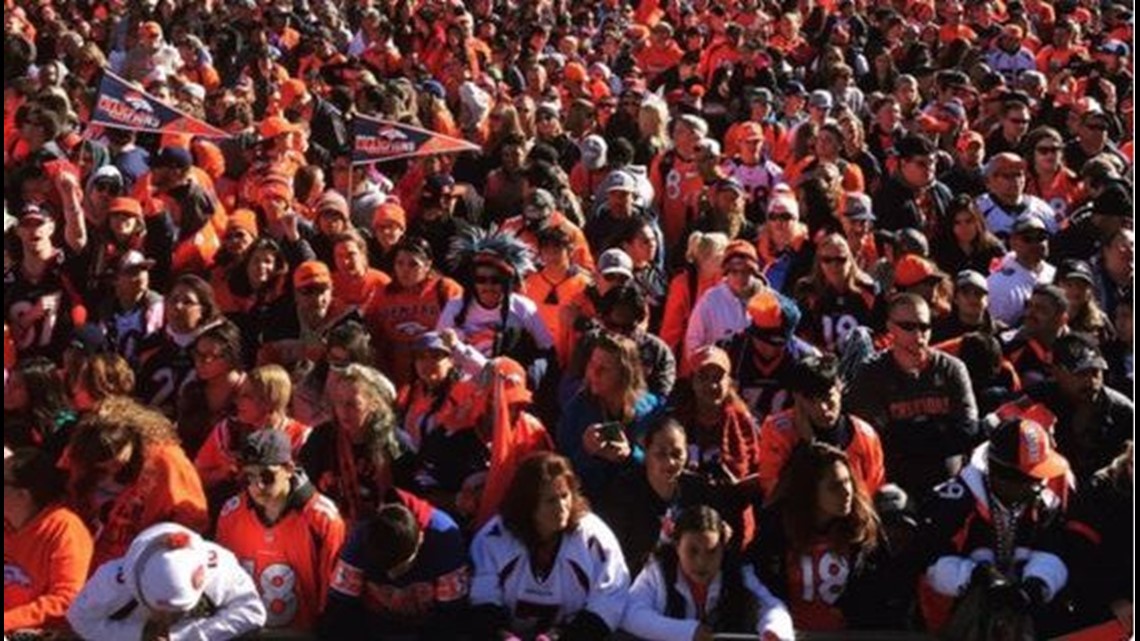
(1012, 284)
(645, 614)
(1000, 220)
(759, 180)
(108, 608)
(718, 315)
(589, 573)
(482, 325)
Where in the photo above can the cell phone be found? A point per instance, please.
(611, 431)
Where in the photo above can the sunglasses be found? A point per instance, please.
(487, 280)
(1035, 237)
(780, 217)
(1048, 150)
(833, 260)
(770, 337)
(262, 478)
(105, 188)
(1099, 127)
(912, 326)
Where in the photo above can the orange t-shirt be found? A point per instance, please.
(551, 299)
(358, 292)
(45, 565)
(291, 561)
(778, 437)
(398, 317)
(678, 190)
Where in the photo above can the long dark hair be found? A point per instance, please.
(47, 392)
(238, 277)
(984, 241)
(796, 493)
(521, 501)
(736, 609)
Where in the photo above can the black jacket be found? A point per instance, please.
(896, 207)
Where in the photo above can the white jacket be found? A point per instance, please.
(108, 607)
(1012, 284)
(589, 573)
(718, 315)
(1000, 221)
(645, 618)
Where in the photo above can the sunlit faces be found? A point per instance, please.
(267, 484)
(822, 411)
(701, 554)
(909, 327)
(351, 258)
(183, 310)
(666, 456)
(433, 366)
(836, 492)
(604, 374)
(262, 267)
(555, 505)
(411, 269)
(490, 288)
(210, 359)
(351, 404)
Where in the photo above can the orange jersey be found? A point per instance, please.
(358, 292)
(655, 60)
(45, 565)
(1061, 192)
(817, 579)
(778, 438)
(1051, 60)
(399, 316)
(949, 33)
(678, 185)
(679, 303)
(291, 560)
(552, 299)
(217, 460)
(168, 489)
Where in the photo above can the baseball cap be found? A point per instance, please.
(431, 342)
(33, 213)
(150, 30)
(540, 206)
(622, 181)
(170, 566)
(172, 158)
(1076, 352)
(857, 206)
(1114, 48)
(1075, 269)
(729, 183)
(245, 220)
(969, 138)
(761, 94)
(435, 185)
(711, 355)
(390, 212)
(123, 205)
(266, 447)
(515, 390)
(594, 150)
(132, 260)
(274, 126)
(312, 272)
(771, 313)
(331, 202)
(293, 91)
(912, 241)
(1115, 200)
(971, 278)
(784, 203)
(795, 88)
(914, 145)
(1026, 223)
(615, 261)
(821, 99)
(89, 339)
(742, 249)
(914, 270)
(1025, 446)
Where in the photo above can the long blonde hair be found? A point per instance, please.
(704, 245)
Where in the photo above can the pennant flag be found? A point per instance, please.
(379, 140)
(124, 106)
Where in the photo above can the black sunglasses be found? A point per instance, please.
(833, 260)
(487, 280)
(263, 478)
(770, 337)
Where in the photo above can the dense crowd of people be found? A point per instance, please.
(754, 317)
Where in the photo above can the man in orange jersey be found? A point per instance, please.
(676, 180)
(284, 533)
(47, 548)
(817, 415)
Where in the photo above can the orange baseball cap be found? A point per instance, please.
(515, 390)
(124, 205)
(274, 126)
(1024, 445)
(913, 270)
(245, 220)
(969, 137)
(711, 355)
(390, 212)
(765, 311)
(742, 249)
(575, 72)
(150, 30)
(312, 272)
(293, 91)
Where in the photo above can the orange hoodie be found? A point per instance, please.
(45, 565)
(167, 489)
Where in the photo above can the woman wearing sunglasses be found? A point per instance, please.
(1048, 177)
(838, 296)
(285, 533)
